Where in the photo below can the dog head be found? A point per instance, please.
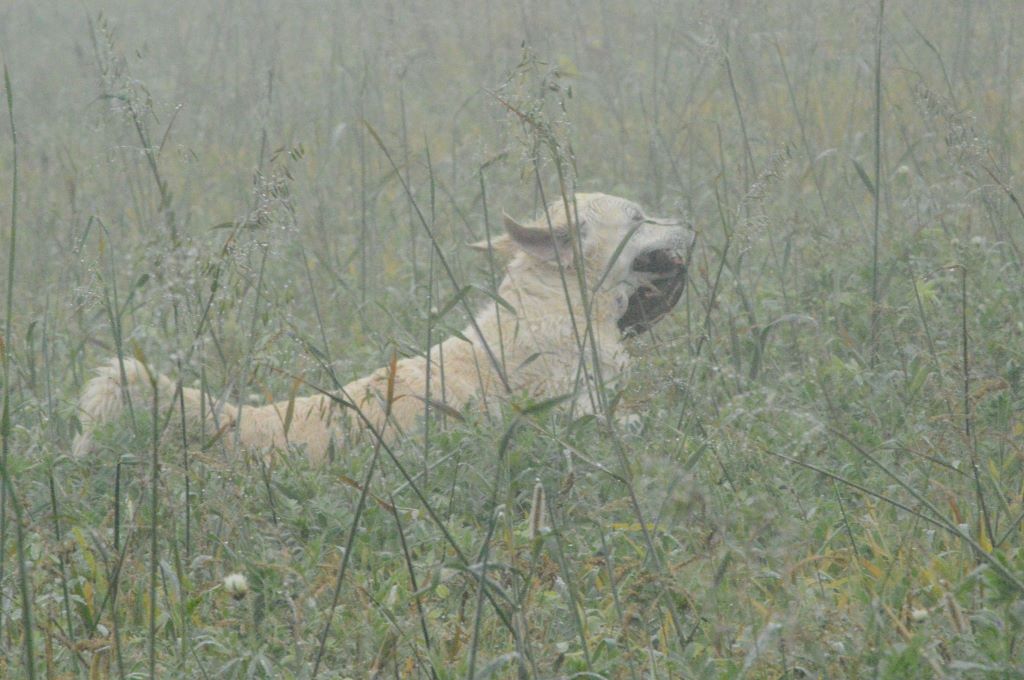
(634, 264)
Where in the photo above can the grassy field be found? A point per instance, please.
(829, 477)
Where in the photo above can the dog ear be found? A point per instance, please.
(541, 242)
(500, 245)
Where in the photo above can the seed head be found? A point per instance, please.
(236, 585)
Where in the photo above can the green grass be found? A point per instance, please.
(829, 481)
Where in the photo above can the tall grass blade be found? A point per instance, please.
(7, 494)
(876, 193)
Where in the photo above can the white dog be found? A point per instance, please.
(583, 276)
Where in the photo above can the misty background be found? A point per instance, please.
(827, 477)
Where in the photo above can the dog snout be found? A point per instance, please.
(683, 233)
(686, 228)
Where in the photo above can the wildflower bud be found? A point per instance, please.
(538, 525)
(236, 585)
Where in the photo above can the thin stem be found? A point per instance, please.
(878, 184)
(444, 262)
(968, 426)
(60, 559)
(354, 528)
(153, 507)
(7, 491)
